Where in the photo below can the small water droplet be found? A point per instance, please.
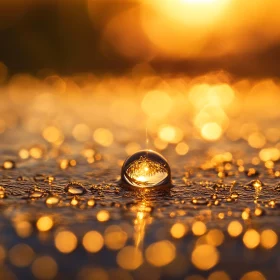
(36, 194)
(2, 192)
(272, 203)
(234, 195)
(252, 172)
(259, 212)
(199, 201)
(52, 200)
(39, 177)
(91, 202)
(277, 187)
(50, 179)
(214, 196)
(75, 188)
(22, 178)
(74, 201)
(254, 184)
(9, 164)
(146, 169)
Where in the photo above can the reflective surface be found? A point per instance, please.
(146, 169)
(64, 214)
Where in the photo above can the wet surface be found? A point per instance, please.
(65, 215)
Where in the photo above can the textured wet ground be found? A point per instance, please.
(65, 215)
(38, 188)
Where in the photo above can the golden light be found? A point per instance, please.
(211, 131)
(81, 132)
(205, 256)
(269, 239)
(215, 237)
(23, 153)
(235, 228)
(157, 104)
(21, 255)
(44, 223)
(251, 239)
(44, 267)
(198, 228)
(256, 140)
(170, 134)
(66, 242)
(103, 137)
(23, 228)
(53, 135)
(160, 253)
(269, 154)
(115, 238)
(129, 258)
(178, 230)
(219, 275)
(93, 241)
(253, 275)
(93, 273)
(182, 148)
(103, 216)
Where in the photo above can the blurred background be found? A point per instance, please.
(86, 83)
(112, 36)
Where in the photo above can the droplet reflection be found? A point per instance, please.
(146, 169)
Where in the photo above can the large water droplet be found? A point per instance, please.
(146, 169)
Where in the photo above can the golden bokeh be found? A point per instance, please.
(253, 275)
(269, 239)
(93, 241)
(115, 238)
(103, 137)
(251, 239)
(199, 228)
(160, 253)
(103, 216)
(205, 256)
(44, 268)
(235, 228)
(21, 255)
(65, 241)
(129, 258)
(44, 223)
(178, 230)
(156, 104)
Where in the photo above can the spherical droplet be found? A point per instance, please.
(146, 169)
(75, 188)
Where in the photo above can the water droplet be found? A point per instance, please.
(272, 203)
(146, 169)
(52, 200)
(277, 187)
(259, 212)
(75, 188)
(74, 201)
(254, 184)
(36, 194)
(2, 192)
(39, 177)
(22, 178)
(251, 172)
(199, 201)
(91, 202)
(234, 195)
(9, 164)
(214, 196)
